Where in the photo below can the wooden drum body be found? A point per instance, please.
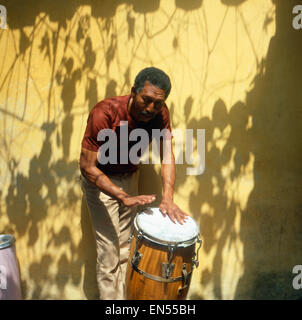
(162, 257)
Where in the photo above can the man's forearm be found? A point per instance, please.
(102, 181)
(167, 205)
(168, 180)
(167, 169)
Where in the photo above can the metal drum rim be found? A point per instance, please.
(180, 244)
(6, 240)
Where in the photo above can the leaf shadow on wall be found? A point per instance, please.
(274, 138)
(266, 131)
(32, 197)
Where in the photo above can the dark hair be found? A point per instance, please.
(156, 77)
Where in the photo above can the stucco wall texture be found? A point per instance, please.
(235, 67)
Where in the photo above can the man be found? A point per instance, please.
(111, 188)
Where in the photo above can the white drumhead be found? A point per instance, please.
(162, 230)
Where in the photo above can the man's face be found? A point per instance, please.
(147, 103)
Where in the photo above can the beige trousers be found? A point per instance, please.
(112, 223)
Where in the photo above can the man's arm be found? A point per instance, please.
(167, 205)
(88, 166)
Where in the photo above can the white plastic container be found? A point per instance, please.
(10, 288)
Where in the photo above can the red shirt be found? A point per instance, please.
(108, 114)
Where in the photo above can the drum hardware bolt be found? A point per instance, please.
(130, 238)
(186, 278)
(195, 261)
(171, 250)
(136, 258)
(139, 237)
(167, 269)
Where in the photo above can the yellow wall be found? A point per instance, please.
(235, 67)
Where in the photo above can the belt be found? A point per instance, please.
(124, 174)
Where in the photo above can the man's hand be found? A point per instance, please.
(173, 211)
(141, 200)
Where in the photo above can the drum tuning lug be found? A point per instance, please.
(186, 279)
(136, 258)
(167, 269)
(195, 262)
(130, 238)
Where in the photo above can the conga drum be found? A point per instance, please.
(10, 288)
(162, 257)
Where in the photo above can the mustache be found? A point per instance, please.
(147, 114)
